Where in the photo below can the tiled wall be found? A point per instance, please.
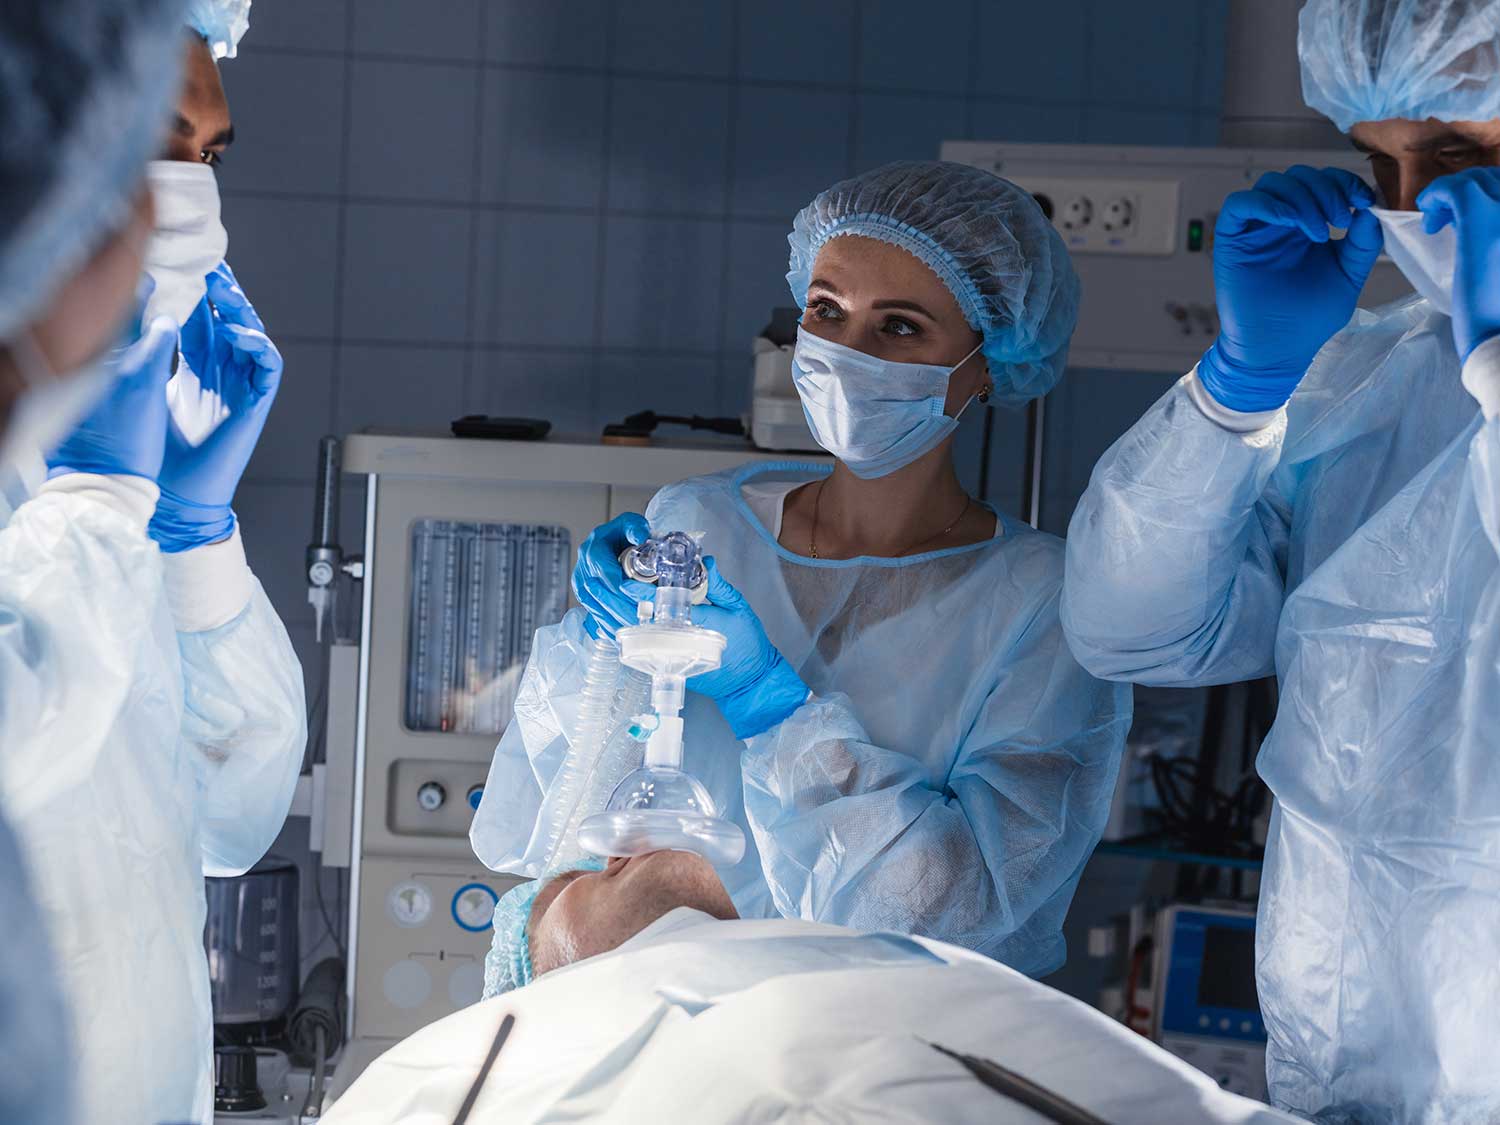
(578, 208)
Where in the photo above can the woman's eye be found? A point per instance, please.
(212, 159)
(896, 326)
(824, 310)
(1460, 156)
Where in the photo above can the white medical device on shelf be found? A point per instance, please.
(469, 548)
(1139, 223)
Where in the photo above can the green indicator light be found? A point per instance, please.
(1195, 236)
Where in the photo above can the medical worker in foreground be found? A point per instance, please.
(898, 724)
(153, 714)
(1321, 499)
(84, 88)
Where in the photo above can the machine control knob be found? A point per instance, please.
(475, 795)
(431, 796)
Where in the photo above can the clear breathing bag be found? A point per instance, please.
(622, 790)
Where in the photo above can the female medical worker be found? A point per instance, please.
(898, 721)
(152, 725)
(1321, 499)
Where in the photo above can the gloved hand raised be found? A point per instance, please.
(755, 687)
(125, 433)
(198, 482)
(1470, 200)
(598, 578)
(1282, 285)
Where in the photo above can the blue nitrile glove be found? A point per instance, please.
(198, 481)
(125, 433)
(1470, 200)
(1282, 285)
(598, 580)
(755, 687)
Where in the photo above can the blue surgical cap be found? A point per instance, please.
(222, 23)
(85, 86)
(1369, 60)
(987, 241)
(507, 966)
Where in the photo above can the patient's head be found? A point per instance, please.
(558, 919)
(583, 913)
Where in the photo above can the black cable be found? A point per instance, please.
(484, 1070)
(328, 925)
(1020, 1089)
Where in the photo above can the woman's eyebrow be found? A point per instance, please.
(909, 306)
(824, 283)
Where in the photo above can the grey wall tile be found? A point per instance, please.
(557, 33)
(1143, 61)
(406, 272)
(557, 386)
(672, 37)
(285, 254)
(906, 127)
(449, 30)
(542, 138)
(544, 279)
(665, 383)
(309, 25)
(1123, 126)
(662, 279)
(667, 146)
(788, 146)
(275, 524)
(757, 280)
(792, 41)
(992, 119)
(905, 51)
(288, 113)
(301, 414)
(413, 130)
(1033, 50)
(399, 388)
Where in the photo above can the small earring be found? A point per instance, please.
(985, 392)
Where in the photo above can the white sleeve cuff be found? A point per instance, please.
(1482, 376)
(208, 586)
(133, 497)
(1236, 421)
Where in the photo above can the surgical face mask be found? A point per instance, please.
(1427, 260)
(189, 240)
(874, 415)
(49, 406)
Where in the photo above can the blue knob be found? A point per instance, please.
(476, 794)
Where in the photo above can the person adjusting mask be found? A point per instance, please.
(1320, 501)
(176, 753)
(897, 723)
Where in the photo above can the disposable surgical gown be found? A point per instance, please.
(949, 775)
(151, 732)
(1350, 548)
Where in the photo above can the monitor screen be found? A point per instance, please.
(1228, 976)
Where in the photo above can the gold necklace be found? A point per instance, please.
(812, 536)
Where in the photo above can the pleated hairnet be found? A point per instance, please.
(987, 241)
(1368, 60)
(507, 966)
(84, 90)
(222, 22)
